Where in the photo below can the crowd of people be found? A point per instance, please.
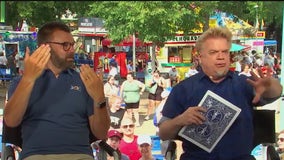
(83, 105)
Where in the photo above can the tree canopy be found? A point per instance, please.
(158, 21)
(155, 21)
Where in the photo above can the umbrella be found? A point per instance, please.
(236, 47)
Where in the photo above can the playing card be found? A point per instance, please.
(219, 116)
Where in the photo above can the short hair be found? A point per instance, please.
(45, 32)
(109, 77)
(131, 74)
(216, 32)
(126, 119)
(112, 99)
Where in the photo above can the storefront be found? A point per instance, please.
(91, 33)
(256, 42)
(178, 52)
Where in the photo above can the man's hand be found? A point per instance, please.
(35, 63)
(93, 83)
(260, 84)
(193, 115)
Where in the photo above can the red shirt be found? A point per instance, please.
(130, 149)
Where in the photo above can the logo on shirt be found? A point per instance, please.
(75, 88)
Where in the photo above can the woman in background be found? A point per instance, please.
(131, 90)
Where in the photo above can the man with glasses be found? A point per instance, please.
(128, 144)
(57, 107)
(280, 144)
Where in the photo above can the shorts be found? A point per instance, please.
(157, 96)
(132, 105)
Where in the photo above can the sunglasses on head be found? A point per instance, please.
(128, 126)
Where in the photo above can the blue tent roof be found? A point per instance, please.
(236, 47)
(270, 42)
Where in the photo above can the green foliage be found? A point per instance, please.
(155, 21)
(39, 12)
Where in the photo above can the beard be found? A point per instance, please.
(219, 75)
(60, 62)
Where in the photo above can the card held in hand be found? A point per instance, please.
(219, 116)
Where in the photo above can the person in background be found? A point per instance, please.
(154, 97)
(57, 108)
(174, 76)
(166, 81)
(113, 140)
(3, 65)
(131, 91)
(116, 113)
(145, 147)
(17, 58)
(11, 63)
(113, 71)
(181, 108)
(280, 144)
(192, 70)
(110, 88)
(158, 116)
(130, 66)
(3, 61)
(246, 68)
(21, 65)
(128, 144)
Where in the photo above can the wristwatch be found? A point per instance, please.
(101, 104)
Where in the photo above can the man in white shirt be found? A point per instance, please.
(174, 75)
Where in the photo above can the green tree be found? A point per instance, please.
(155, 21)
(39, 12)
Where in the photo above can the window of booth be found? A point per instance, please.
(180, 54)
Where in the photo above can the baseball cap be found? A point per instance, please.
(144, 139)
(112, 133)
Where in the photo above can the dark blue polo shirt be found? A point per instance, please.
(236, 144)
(56, 120)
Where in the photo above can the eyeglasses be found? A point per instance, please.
(281, 139)
(66, 45)
(126, 126)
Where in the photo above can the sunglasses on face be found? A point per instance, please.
(66, 45)
(281, 139)
(128, 126)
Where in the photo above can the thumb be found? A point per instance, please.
(27, 54)
(256, 98)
